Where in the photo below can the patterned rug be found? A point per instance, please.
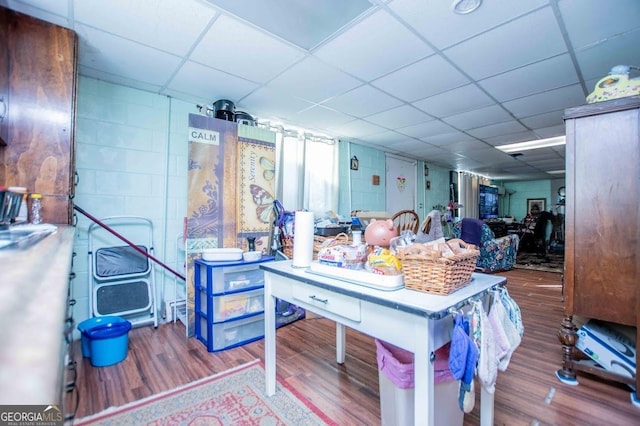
(552, 262)
(233, 397)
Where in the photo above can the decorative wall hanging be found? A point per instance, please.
(354, 163)
(401, 183)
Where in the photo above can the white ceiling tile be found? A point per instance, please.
(447, 138)
(485, 154)
(356, 129)
(273, 104)
(539, 77)
(511, 138)
(547, 119)
(357, 50)
(428, 151)
(303, 23)
(506, 127)
(551, 132)
(409, 145)
(387, 137)
(398, 117)
(437, 22)
(596, 61)
(213, 84)
(236, 48)
(478, 117)
(581, 16)
(424, 78)
(426, 129)
(314, 81)
(133, 59)
(462, 146)
(564, 97)
(510, 46)
(454, 101)
(170, 26)
(363, 101)
(320, 117)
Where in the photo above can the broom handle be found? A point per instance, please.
(108, 228)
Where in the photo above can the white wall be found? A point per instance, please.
(131, 159)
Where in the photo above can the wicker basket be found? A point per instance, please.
(318, 243)
(441, 275)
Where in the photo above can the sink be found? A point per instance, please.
(24, 236)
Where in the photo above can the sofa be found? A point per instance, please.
(496, 254)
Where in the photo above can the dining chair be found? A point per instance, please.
(406, 220)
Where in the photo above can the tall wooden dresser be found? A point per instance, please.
(602, 237)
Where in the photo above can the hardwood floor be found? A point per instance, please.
(528, 393)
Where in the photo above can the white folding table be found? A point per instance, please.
(416, 321)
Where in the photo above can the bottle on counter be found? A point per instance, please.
(36, 206)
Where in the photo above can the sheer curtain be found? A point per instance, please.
(306, 171)
(468, 195)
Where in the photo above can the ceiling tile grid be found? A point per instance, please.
(405, 76)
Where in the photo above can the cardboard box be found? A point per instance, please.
(612, 346)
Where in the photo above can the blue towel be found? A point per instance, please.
(463, 354)
(471, 231)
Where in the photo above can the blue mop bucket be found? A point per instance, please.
(105, 340)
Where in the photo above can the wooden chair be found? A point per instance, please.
(406, 220)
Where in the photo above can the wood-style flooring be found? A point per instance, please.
(528, 393)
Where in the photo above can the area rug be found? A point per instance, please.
(552, 262)
(234, 397)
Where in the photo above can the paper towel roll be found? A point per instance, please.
(302, 239)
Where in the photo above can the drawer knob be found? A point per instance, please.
(317, 299)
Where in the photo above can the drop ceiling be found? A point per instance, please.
(409, 77)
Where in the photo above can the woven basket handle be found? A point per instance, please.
(341, 238)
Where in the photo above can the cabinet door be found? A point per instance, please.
(42, 83)
(4, 76)
(602, 215)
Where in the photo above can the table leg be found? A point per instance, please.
(269, 338)
(341, 339)
(424, 388)
(486, 407)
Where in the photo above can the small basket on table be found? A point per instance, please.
(427, 269)
(318, 243)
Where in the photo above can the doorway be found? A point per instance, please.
(401, 175)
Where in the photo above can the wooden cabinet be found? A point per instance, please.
(4, 77)
(602, 240)
(39, 126)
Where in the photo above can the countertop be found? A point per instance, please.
(33, 303)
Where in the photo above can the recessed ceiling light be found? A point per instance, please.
(539, 143)
(463, 7)
(555, 172)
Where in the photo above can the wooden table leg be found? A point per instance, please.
(568, 337)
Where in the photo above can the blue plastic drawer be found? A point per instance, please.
(229, 306)
(229, 334)
(230, 278)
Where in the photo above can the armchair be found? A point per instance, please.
(496, 254)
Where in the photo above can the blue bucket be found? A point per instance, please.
(105, 339)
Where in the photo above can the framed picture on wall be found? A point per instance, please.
(539, 202)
